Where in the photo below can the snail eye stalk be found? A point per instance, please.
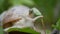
(30, 11)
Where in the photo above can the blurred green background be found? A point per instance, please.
(49, 8)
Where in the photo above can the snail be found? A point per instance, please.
(18, 17)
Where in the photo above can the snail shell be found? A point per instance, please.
(14, 14)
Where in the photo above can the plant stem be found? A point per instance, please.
(43, 25)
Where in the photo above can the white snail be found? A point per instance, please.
(18, 17)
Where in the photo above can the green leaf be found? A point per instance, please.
(22, 2)
(1, 5)
(58, 24)
(1, 30)
(36, 11)
(29, 30)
